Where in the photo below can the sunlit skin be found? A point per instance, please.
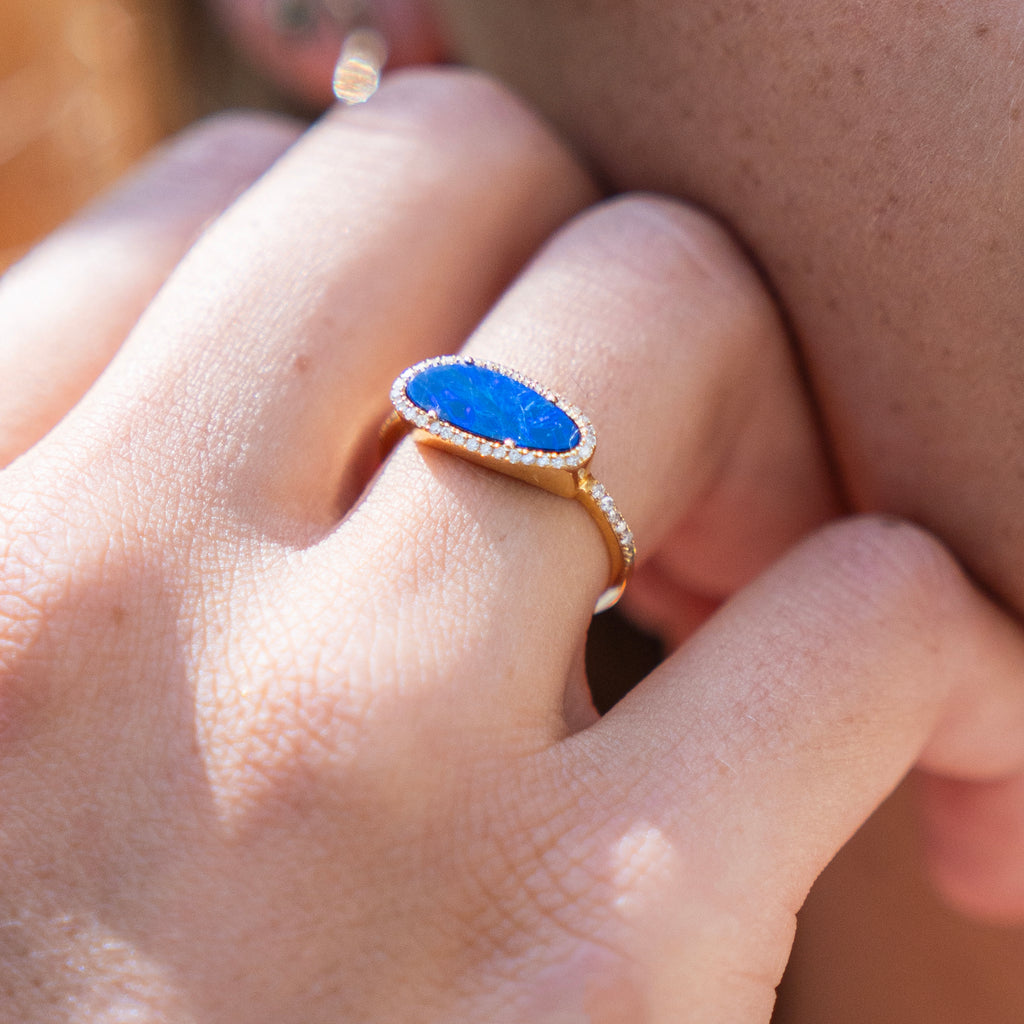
(869, 157)
(281, 742)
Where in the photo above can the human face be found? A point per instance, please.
(869, 155)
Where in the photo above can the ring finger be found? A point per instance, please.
(381, 237)
(644, 314)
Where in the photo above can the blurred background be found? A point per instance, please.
(88, 86)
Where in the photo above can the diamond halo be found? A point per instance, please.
(508, 452)
(535, 465)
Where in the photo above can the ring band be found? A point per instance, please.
(496, 417)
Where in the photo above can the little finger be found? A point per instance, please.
(749, 758)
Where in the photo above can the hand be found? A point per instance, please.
(272, 751)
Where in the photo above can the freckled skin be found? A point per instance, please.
(868, 154)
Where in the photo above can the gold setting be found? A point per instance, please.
(566, 474)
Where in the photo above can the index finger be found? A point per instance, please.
(68, 306)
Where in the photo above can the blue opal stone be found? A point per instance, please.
(489, 404)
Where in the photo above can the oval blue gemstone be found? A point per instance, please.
(489, 404)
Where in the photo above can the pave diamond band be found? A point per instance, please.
(497, 417)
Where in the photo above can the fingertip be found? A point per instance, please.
(973, 842)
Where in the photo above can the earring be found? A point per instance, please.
(360, 66)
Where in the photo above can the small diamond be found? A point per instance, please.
(446, 433)
(607, 504)
(514, 456)
(473, 444)
(434, 427)
(543, 460)
(528, 459)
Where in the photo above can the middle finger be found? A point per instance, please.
(381, 238)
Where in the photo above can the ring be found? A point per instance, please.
(496, 417)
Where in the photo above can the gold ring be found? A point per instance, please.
(496, 417)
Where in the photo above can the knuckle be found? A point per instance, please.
(600, 889)
(688, 266)
(680, 243)
(463, 112)
(450, 94)
(236, 136)
(895, 567)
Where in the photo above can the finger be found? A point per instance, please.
(382, 237)
(645, 315)
(759, 748)
(974, 843)
(65, 310)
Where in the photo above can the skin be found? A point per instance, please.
(246, 712)
(875, 185)
(302, 57)
(869, 158)
(301, 752)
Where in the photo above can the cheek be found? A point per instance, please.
(869, 156)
